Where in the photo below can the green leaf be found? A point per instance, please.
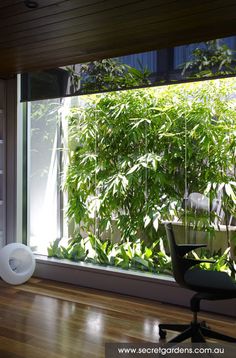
(133, 169)
(230, 192)
(146, 220)
(156, 221)
(141, 261)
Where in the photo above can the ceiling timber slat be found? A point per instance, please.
(83, 26)
(93, 30)
(20, 13)
(97, 13)
(7, 3)
(63, 32)
(93, 41)
(63, 12)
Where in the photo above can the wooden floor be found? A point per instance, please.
(53, 320)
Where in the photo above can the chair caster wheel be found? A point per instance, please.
(162, 334)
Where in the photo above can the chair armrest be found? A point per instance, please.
(207, 261)
(185, 248)
(192, 262)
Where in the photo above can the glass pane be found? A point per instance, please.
(129, 162)
(211, 205)
(43, 173)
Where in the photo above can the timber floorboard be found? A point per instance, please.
(49, 319)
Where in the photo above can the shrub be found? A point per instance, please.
(135, 155)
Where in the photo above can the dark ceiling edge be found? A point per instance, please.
(145, 47)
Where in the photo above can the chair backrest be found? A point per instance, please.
(179, 263)
(198, 280)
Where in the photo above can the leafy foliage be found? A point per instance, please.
(106, 75)
(221, 263)
(213, 59)
(126, 255)
(133, 157)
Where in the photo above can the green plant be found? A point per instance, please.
(123, 142)
(135, 155)
(126, 255)
(213, 59)
(106, 75)
(222, 262)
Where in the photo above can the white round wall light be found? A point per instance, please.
(17, 263)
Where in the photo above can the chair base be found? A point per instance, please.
(195, 331)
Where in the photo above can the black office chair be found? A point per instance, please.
(208, 285)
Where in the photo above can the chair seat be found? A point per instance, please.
(203, 280)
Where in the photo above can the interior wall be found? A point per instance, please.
(2, 162)
(8, 101)
(11, 151)
(2, 93)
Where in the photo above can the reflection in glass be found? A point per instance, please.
(43, 173)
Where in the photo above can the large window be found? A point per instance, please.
(105, 171)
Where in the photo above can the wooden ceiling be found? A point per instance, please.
(63, 32)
